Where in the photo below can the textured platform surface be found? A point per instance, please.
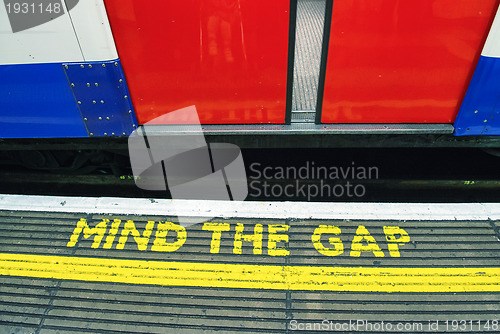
(66, 272)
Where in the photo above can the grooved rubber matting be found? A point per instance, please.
(243, 275)
(308, 43)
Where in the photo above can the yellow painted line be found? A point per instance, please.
(252, 276)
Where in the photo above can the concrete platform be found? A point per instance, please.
(110, 265)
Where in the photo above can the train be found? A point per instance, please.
(86, 74)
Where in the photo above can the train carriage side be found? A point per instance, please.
(100, 69)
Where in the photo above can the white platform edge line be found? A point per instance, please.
(271, 210)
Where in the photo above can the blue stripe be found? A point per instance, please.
(480, 110)
(65, 100)
(36, 102)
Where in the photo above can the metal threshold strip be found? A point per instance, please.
(303, 129)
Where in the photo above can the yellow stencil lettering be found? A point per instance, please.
(160, 244)
(99, 230)
(217, 229)
(362, 235)
(141, 241)
(393, 242)
(274, 238)
(338, 246)
(112, 233)
(256, 238)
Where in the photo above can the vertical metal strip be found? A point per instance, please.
(324, 58)
(291, 60)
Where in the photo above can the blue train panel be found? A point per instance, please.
(36, 102)
(60, 100)
(101, 94)
(480, 110)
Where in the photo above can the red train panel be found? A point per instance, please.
(399, 61)
(227, 57)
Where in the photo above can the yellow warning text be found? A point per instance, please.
(170, 237)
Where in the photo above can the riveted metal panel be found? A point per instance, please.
(102, 96)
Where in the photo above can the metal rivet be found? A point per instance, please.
(91, 134)
(82, 66)
(90, 66)
(112, 133)
(103, 65)
(116, 63)
(107, 118)
(475, 112)
(102, 101)
(88, 85)
(94, 102)
(485, 121)
(133, 125)
(130, 111)
(85, 119)
(124, 134)
(100, 118)
(96, 84)
(65, 66)
(72, 85)
(121, 80)
(79, 102)
(126, 96)
(105, 133)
